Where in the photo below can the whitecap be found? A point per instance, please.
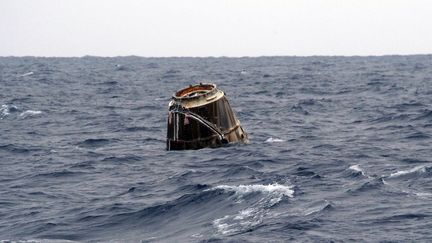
(26, 74)
(417, 169)
(274, 189)
(274, 140)
(222, 227)
(5, 110)
(357, 169)
(253, 215)
(28, 113)
(197, 235)
(241, 222)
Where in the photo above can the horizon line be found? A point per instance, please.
(221, 56)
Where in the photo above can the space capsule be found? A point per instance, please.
(200, 116)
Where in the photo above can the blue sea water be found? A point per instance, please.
(340, 150)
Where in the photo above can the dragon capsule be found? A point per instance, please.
(200, 116)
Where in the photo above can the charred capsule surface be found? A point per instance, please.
(200, 116)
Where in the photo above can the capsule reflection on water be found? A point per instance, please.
(200, 116)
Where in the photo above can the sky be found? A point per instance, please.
(161, 28)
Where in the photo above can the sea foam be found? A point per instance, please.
(357, 169)
(26, 74)
(5, 110)
(417, 169)
(28, 113)
(253, 215)
(274, 140)
(274, 189)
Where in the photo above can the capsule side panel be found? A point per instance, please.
(184, 132)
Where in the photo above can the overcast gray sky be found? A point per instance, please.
(214, 28)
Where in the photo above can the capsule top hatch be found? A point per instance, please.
(200, 116)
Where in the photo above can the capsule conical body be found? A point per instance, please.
(200, 116)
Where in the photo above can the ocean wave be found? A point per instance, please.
(394, 117)
(14, 148)
(357, 171)
(399, 218)
(251, 216)
(276, 190)
(414, 161)
(139, 128)
(29, 113)
(94, 143)
(426, 114)
(244, 220)
(152, 65)
(191, 205)
(313, 102)
(418, 170)
(407, 106)
(5, 110)
(321, 207)
(303, 171)
(241, 170)
(274, 140)
(26, 74)
(418, 135)
(370, 185)
(190, 188)
(344, 143)
(124, 158)
(85, 165)
(59, 174)
(119, 67)
(423, 194)
(299, 109)
(40, 241)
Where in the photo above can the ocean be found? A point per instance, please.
(340, 150)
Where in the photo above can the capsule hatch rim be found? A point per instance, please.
(197, 95)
